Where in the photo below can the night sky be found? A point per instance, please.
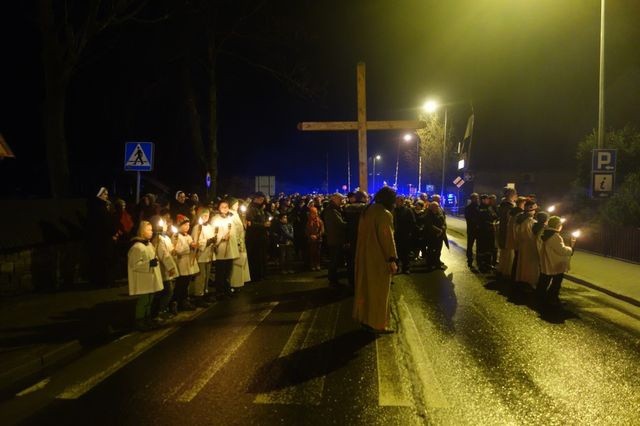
(529, 67)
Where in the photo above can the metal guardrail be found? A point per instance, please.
(616, 242)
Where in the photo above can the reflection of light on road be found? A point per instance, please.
(432, 394)
(222, 360)
(310, 331)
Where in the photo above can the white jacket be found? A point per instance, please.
(186, 262)
(227, 237)
(202, 233)
(143, 279)
(168, 266)
(554, 255)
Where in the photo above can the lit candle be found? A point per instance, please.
(174, 230)
(576, 234)
(161, 223)
(200, 221)
(563, 220)
(243, 208)
(551, 209)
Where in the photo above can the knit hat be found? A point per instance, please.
(182, 219)
(554, 222)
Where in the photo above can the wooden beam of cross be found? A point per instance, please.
(362, 125)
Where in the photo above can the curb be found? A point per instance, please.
(36, 365)
(569, 277)
(606, 291)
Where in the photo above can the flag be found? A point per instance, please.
(5, 151)
(468, 134)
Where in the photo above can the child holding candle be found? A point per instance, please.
(168, 267)
(202, 235)
(144, 274)
(184, 246)
(226, 247)
(554, 261)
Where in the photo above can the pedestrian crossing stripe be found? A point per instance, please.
(138, 156)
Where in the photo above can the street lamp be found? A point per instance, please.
(601, 80)
(431, 107)
(407, 138)
(373, 184)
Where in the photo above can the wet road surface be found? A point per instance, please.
(286, 351)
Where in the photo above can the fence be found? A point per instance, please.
(617, 242)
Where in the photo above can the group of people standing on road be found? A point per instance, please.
(173, 250)
(171, 260)
(519, 242)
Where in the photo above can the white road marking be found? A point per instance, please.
(221, 361)
(305, 334)
(40, 385)
(79, 389)
(392, 390)
(432, 393)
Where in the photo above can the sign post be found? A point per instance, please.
(138, 157)
(603, 170)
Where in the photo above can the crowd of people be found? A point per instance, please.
(173, 249)
(182, 254)
(518, 242)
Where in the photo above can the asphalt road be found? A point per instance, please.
(286, 351)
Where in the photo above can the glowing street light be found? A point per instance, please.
(407, 137)
(430, 106)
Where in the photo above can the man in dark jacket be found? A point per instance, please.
(435, 230)
(506, 254)
(472, 217)
(486, 234)
(335, 229)
(404, 223)
(351, 214)
(257, 239)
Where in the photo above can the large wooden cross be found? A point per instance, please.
(362, 125)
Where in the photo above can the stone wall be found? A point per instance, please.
(40, 245)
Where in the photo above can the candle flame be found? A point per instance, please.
(161, 223)
(563, 220)
(174, 229)
(576, 234)
(200, 221)
(243, 209)
(551, 209)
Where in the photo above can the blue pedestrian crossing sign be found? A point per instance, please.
(138, 156)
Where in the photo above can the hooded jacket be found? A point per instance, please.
(554, 255)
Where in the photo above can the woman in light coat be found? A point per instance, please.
(144, 274)
(240, 270)
(226, 246)
(554, 261)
